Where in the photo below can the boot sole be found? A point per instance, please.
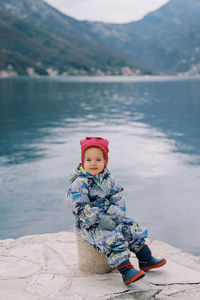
(155, 266)
(135, 278)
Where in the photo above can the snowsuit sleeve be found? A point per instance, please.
(77, 199)
(117, 208)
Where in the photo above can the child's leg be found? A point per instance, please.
(135, 235)
(111, 243)
(116, 249)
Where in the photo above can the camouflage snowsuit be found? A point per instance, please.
(91, 196)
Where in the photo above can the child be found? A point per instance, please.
(97, 203)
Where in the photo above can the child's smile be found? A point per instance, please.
(94, 161)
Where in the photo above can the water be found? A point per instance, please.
(154, 130)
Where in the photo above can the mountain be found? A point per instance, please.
(34, 37)
(164, 41)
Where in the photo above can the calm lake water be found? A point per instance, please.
(154, 130)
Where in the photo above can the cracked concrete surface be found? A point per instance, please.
(44, 267)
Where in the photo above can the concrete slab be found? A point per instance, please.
(44, 267)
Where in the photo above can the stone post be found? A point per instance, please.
(89, 259)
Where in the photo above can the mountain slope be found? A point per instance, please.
(165, 41)
(35, 35)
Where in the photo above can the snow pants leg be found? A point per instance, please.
(117, 244)
(135, 236)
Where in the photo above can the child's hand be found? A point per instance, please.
(106, 223)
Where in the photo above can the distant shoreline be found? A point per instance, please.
(108, 78)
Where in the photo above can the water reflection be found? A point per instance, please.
(30, 109)
(153, 128)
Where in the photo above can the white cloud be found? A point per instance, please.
(113, 11)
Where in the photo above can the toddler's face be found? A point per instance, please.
(94, 161)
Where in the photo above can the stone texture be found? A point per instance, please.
(89, 259)
(44, 267)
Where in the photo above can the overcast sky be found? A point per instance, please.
(112, 11)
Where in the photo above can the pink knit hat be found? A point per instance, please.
(98, 142)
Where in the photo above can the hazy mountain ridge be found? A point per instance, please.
(45, 41)
(164, 41)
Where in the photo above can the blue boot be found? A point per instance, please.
(147, 261)
(129, 274)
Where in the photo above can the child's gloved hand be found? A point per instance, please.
(106, 223)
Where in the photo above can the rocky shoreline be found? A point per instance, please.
(43, 267)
